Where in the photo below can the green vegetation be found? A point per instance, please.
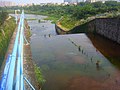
(69, 16)
(74, 15)
(28, 33)
(52, 18)
(32, 19)
(39, 76)
(3, 16)
(7, 28)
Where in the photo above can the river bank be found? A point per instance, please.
(8, 28)
(28, 64)
(31, 70)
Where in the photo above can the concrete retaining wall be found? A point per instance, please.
(59, 30)
(107, 27)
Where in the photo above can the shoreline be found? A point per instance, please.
(28, 63)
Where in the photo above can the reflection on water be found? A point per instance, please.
(70, 62)
(110, 49)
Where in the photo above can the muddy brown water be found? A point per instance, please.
(74, 61)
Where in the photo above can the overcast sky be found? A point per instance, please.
(34, 1)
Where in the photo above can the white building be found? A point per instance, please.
(71, 1)
(99, 0)
(7, 3)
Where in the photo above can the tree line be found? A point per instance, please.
(82, 10)
(3, 16)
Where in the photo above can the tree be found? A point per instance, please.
(3, 16)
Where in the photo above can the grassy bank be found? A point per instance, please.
(6, 32)
(52, 18)
(67, 23)
(39, 76)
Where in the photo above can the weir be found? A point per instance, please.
(13, 76)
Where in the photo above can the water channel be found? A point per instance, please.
(74, 61)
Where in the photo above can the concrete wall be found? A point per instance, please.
(109, 28)
(60, 31)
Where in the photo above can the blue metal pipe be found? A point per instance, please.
(17, 85)
(22, 44)
(10, 80)
(19, 78)
(19, 75)
(5, 74)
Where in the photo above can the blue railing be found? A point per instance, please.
(12, 77)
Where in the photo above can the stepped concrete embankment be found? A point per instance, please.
(107, 27)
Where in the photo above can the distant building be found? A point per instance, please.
(71, 1)
(6, 3)
(42, 4)
(81, 0)
(91, 1)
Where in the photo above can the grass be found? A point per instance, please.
(67, 23)
(8, 27)
(39, 75)
(32, 19)
(52, 18)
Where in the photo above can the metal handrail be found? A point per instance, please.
(12, 78)
(5, 73)
(31, 86)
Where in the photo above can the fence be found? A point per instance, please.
(12, 77)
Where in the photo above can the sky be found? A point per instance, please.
(34, 1)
